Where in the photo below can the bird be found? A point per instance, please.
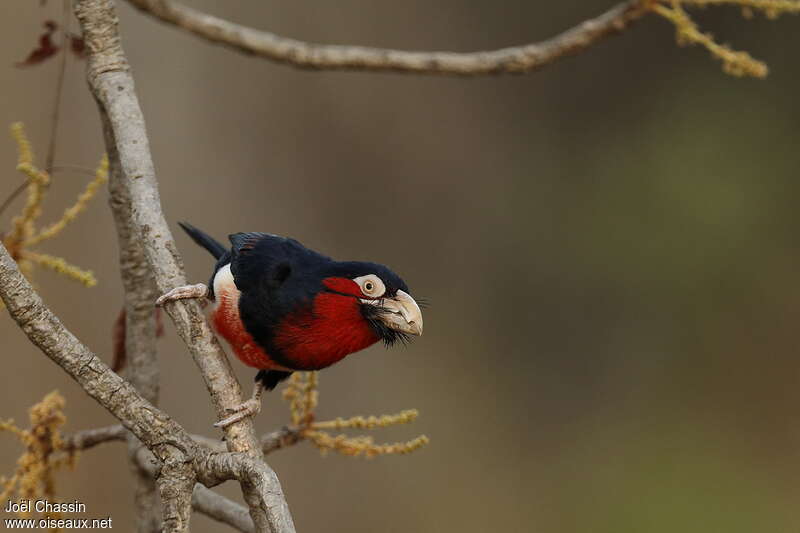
(283, 307)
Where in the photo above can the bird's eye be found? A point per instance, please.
(371, 285)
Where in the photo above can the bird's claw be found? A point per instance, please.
(180, 293)
(249, 408)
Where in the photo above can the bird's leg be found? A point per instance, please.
(249, 408)
(180, 293)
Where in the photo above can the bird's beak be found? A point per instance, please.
(401, 313)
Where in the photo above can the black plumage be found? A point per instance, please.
(276, 276)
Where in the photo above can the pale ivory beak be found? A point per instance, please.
(401, 313)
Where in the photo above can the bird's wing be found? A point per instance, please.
(252, 257)
(264, 261)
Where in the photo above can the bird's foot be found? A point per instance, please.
(249, 408)
(181, 293)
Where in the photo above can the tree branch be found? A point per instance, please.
(175, 483)
(145, 493)
(204, 500)
(513, 60)
(281, 438)
(154, 428)
(180, 458)
(139, 327)
(140, 290)
(221, 509)
(256, 476)
(112, 85)
(270, 442)
(89, 438)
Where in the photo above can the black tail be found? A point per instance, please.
(206, 241)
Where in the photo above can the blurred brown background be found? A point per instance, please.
(609, 246)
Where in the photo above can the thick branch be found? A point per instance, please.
(113, 87)
(139, 330)
(204, 500)
(140, 290)
(154, 428)
(175, 483)
(254, 474)
(147, 510)
(513, 60)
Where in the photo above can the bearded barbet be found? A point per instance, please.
(283, 307)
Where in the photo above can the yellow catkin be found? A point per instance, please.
(100, 178)
(43, 456)
(292, 395)
(302, 395)
(23, 224)
(25, 155)
(771, 8)
(10, 427)
(23, 234)
(355, 446)
(310, 397)
(24, 149)
(370, 422)
(60, 266)
(735, 63)
(37, 181)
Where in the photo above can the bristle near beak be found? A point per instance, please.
(399, 313)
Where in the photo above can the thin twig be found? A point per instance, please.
(513, 60)
(281, 438)
(11, 197)
(62, 69)
(221, 509)
(89, 438)
(56, 169)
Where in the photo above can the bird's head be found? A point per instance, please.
(383, 298)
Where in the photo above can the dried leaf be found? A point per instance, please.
(118, 333)
(77, 45)
(46, 48)
(118, 342)
(159, 323)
